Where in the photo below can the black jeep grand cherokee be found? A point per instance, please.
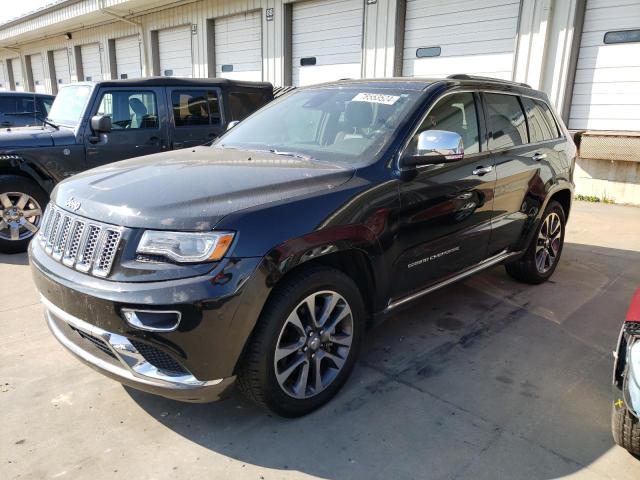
(262, 258)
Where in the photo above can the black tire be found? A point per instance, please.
(17, 184)
(257, 375)
(626, 430)
(525, 268)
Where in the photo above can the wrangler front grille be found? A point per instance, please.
(85, 245)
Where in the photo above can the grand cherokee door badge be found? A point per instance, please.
(433, 257)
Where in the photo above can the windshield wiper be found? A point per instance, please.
(50, 123)
(289, 154)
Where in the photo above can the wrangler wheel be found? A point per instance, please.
(22, 204)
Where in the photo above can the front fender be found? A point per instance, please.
(291, 254)
(14, 164)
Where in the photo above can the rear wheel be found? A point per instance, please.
(305, 343)
(22, 204)
(626, 430)
(543, 254)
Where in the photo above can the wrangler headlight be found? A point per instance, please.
(187, 247)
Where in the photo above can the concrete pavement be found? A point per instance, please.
(484, 379)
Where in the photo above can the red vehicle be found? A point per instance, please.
(625, 417)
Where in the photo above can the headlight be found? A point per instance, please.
(186, 246)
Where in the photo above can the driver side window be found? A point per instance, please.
(129, 110)
(456, 113)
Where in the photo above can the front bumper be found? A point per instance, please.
(195, 362)
(626, 373)
(116, 357)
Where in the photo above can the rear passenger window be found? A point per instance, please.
(244, 104)
(506, 120)
(8, 104)
(539, 127)
(195, 107)
(456, 113)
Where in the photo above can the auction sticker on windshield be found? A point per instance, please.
(376, 98)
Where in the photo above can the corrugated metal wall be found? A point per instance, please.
(187, 13)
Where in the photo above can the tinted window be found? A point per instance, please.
(550, 118)
(506, 120)
(195, 107)
(244, 104)
(129, 110)
(25, 105)
(456, 113)
(7, 104)
(539, 127)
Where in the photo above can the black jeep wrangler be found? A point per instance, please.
(260, 260)
(95, 123)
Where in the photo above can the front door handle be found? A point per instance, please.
(539, 156)
(483, 170)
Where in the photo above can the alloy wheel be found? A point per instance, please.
(20, 216)
(314, 344)
(548, 244)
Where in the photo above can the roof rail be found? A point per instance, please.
(463, 76)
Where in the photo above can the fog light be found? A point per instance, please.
(152, 320)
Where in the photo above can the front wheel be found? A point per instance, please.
(543, 254)
(305, 343)
(626, 430)
(22, 204)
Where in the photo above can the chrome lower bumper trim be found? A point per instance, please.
(130, 365)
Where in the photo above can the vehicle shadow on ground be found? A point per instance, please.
(487, 378)
(14, 259)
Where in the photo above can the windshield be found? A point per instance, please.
(338, 125)
(68, 107)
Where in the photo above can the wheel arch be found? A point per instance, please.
(353, 256)
(564, 196)
(18, 167)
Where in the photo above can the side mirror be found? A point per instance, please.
(435, 146)
(101, 124)
(232, 124)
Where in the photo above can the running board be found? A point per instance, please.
(489, 262)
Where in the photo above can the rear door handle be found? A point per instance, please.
(539, 156)
(483, 170)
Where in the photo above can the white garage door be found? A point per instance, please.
(326, 40)
(443, 38)
(37, 73)
(128, 57)
(61, 66)
(174, 45)
(238, 46)
(17, 74)
(4, 84)
(91, 62)
(606, 91)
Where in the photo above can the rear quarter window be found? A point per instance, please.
(540, 128)
(243, 104)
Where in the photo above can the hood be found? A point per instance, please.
(191, 189)
(30, 137)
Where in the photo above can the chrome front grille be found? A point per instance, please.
(85, 245)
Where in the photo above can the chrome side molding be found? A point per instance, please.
(489, 262)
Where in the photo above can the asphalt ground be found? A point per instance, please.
(487, 378)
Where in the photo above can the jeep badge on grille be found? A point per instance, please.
(73, 204)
